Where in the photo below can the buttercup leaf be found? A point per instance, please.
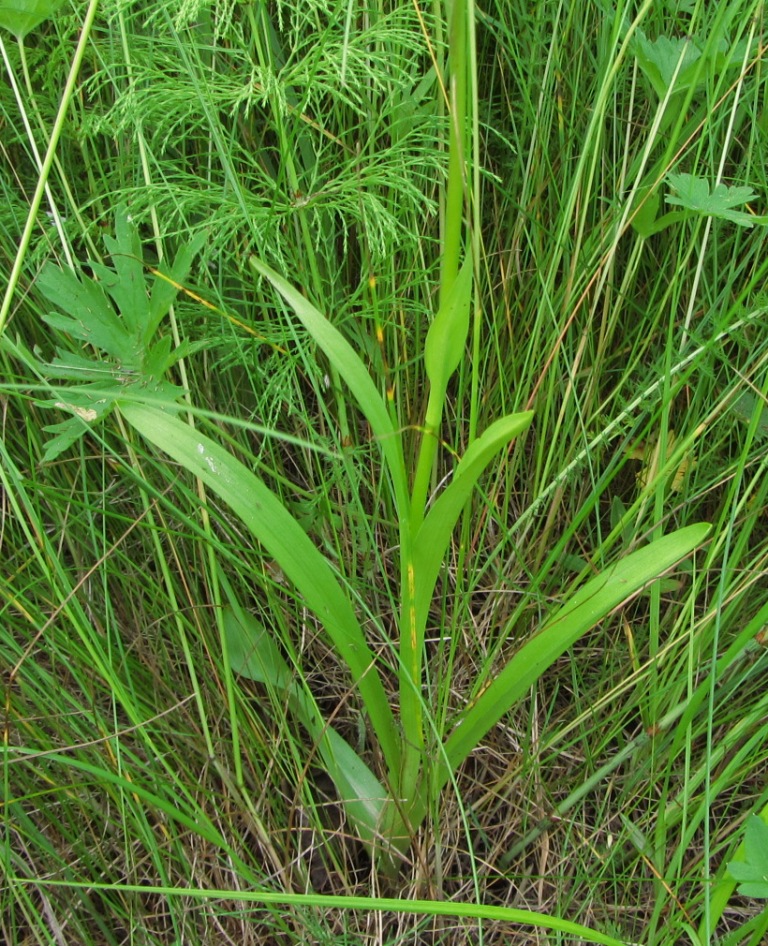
(22, 16)
(693, 193)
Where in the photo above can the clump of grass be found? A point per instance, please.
(618, 788)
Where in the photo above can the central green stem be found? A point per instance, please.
(412, 628)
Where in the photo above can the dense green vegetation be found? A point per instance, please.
(370, 372)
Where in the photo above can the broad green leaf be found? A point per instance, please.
(752, 872)
(124, 279)
(644, 217)
(254, 654)
(589, 605)
(447, 335)
(65, 434)
(746, 406)
(116, 313)
(22, 16)
(664, 59)
(274, 527)
(723, 891)
(694, 194)
(90, 403)
(351, 368)
(164, 291)
(432, 539)
(159, 358)
(73, 367)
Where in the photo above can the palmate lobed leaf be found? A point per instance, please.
(115, 311)
(90, 403)
(694, 193)
(124, 279)
(90, 316)
(665, 59)
(164, 290)
(752, 872)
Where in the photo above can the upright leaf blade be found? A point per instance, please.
(431, 541)
(591, 603)
(274, 527)
(447, 335)
(350, 367)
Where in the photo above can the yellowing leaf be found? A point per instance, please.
(650, 453)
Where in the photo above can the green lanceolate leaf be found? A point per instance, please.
(253, 653)
(431, 541)
(274, 527)
(447, 335)
(351, 368)
(589, 605)
(22, 16)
